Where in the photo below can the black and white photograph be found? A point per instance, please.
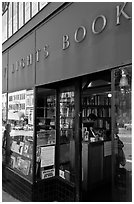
(66, 101)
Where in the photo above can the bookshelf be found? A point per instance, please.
(100, 105)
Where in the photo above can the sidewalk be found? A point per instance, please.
(8, 198)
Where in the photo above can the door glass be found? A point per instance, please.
(67, 143)
(46, 133)
(123, 133)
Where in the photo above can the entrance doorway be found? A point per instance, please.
(96, 137)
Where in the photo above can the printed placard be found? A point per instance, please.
(47, 156)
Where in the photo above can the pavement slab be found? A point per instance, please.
(8, 198)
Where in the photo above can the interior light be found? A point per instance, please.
(123, 80)
(90, 84)
(109, 95)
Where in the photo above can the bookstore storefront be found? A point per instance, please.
(67, 96)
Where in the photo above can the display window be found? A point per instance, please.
(67, 142)
(123, 130)
(45, 133)
(20, 118)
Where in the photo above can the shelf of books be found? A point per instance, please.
(46, 138)
(100, 106)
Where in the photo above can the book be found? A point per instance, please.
(12, 162)
(23, 165)
(28, 149)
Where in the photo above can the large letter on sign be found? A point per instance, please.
(121, 12)
(66, 42)
(94, 23)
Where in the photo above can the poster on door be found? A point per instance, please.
(47, 156)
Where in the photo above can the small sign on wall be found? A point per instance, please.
(47, 173)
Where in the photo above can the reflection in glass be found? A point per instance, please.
(67, 143)
(4, 27)
(34, 8)
(123, 130)
(20, 116)
(42, 4)
(10, 19)
(14, 17)
(20, 14)
(27, 11)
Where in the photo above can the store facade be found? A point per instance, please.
(74, 73)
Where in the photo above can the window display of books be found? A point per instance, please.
(21, 156)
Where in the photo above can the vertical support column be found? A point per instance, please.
(34, 136)
(35, 115)
(57, 147)
(12, 17)
(38, 6)
(7, 77)
(112, 129)
(8, 23)
(78, 139)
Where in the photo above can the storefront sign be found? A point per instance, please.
(98, 25)
(99, 19)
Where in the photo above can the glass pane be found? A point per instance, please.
(10, 19)
(4, 27)
(42, 4)
(34, 8)
(14, 17)
(123, 133)
(20, 117)
(67, 143)
(20, 14)
(27, 11)
(46, 133)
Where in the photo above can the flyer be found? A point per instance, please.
(47, 156)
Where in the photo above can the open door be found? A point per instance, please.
(96, 137)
